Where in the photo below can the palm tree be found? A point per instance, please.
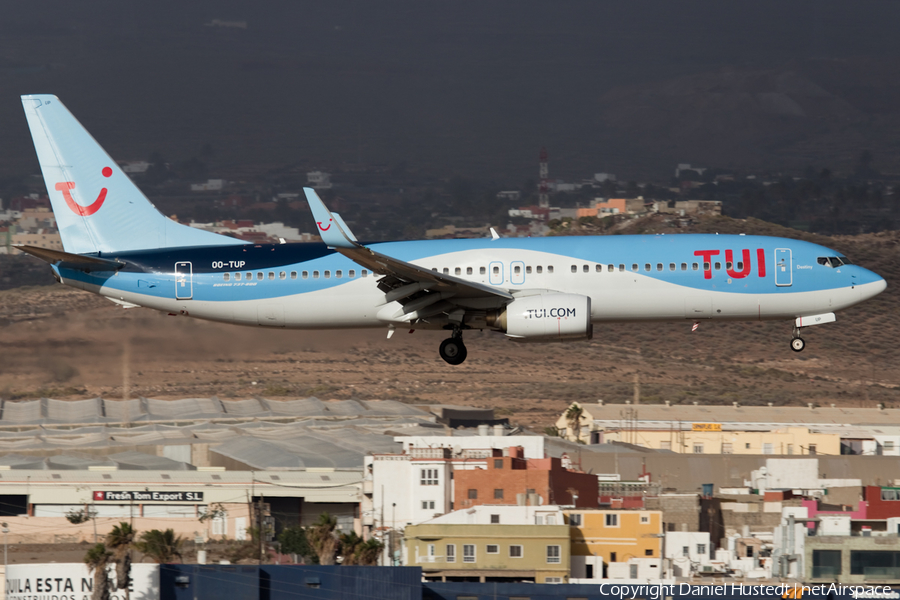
(322, 539)
(97, 559)
(161, 546)
(368, 552)
(573, 415)
(120, 540)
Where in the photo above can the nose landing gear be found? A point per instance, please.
(797, 343)
(453, 350)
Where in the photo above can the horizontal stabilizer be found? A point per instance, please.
(66, 260)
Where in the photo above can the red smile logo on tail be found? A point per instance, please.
(84, 211)
(319, 223)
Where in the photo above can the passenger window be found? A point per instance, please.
(315, 274)
(621, 268)
(327, 274)
(338, 274)
(305, 274)
(611, 268)
(351, 273)
(671, 266)
(282, 275)
(684, 266)
(446, 271)
(574, 268)
(634, 267)
(226, 276)
(259, 276)
(271, 275)
(706, 266)
(740, 266)
(237, 276)
(293, 274)
(718, 266)
(248, 276)
(646, 266)
(496, 270)
(528, 270)
(540, 269)
(457, 271)
(659, 266)
(468, 270)
(549, 268)
(434, 269)
(695, 266)
(586, 268)
(599, 268)
(728, 265)
(517, 270)
(365, 273)
(482, 270)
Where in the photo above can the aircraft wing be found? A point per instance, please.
(400, 276)
(67, 260)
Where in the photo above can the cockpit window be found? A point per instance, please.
(833, 261)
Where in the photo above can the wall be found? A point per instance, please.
(630, 538)
(788, 441)
(846, 545)
(63, 580)
(878, 508)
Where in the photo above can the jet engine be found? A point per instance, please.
(545, 318)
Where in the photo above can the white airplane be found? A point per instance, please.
(116, 244)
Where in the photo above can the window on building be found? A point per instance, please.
(645, 519)
(498, 494)
(685, 550)
(701, 549)
(747, 446)
(553, 555)
(538, 519)
(430, 549)
(498, 463)
(612, 520)
(698, 448)
(451, 553)
(550, 519)
(515, 551)
(612, 557)
(888, 445)
(495, 519)
(648, 552)
(575, 520)
(790, 448)
(428, 476)
(727, 448)
(547, 580)
(473, 495)
(888, 494)
(427, 504)
(767, 448)
(468, 553)
(665, 445)
(812, 449)
(492, 549)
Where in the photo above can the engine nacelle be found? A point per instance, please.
(545, 318)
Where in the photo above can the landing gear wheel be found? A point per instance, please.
(453, 351)
(797, 344)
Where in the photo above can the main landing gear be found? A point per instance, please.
(453, 350)
(797, 343)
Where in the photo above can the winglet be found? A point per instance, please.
(494, 234)
(329, 225)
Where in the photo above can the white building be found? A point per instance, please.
(687, 551)
(532, 444)
(319, 180)
(503, 514)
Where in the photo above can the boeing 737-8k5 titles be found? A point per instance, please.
(116, 244)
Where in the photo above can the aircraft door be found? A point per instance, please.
(496, 273)
(784, 274)
(517, 272)
(184, 281)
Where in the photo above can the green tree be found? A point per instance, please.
(161, 546)
(293, 541)
(322, 538)
(573, 415)
(121, 540)
(357, 551)
(97, 559)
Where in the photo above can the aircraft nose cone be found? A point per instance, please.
(870, 290)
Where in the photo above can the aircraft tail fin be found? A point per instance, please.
(332, 228)
(97, 207)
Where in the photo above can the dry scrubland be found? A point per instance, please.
(64, 343)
